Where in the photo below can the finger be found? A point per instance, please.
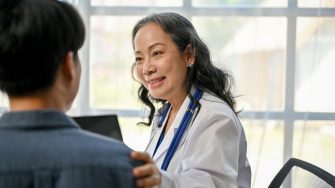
(145, 170)
(141, 156)
(149, 181)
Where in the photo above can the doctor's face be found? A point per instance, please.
(160, 66)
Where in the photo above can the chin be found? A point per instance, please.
(157, 95)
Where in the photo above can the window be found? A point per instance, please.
(281, 53)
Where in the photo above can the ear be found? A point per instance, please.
(68, 67)
(190, 55)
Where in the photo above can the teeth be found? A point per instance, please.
(152, 82)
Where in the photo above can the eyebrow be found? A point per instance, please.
(151, 46)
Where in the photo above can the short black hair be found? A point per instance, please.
(35, 36)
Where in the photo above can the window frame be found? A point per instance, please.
(291, 12)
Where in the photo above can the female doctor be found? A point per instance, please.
(197, 139)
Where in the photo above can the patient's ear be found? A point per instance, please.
(68, 66)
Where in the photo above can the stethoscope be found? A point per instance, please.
(180, 131)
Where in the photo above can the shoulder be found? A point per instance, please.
(216, 114)
(84, 148)
(215, 125)
(214, 106)
(67, 148)
(91, 142)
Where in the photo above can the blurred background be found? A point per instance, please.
(281, 53)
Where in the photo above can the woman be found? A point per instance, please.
(197, 139)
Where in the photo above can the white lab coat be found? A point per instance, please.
(212, 152)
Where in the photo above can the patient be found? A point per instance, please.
(39, 71)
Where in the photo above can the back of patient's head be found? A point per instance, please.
(35, 36)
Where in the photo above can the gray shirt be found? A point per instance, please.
(43, 149)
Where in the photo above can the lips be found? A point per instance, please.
(155, 82)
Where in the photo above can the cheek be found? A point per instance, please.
(138, 73)
(180, 75)
(178, 69)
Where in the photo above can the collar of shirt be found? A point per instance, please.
(36, 119)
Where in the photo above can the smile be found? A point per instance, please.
(156, 82)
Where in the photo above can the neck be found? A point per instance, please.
(176, 103)
(39, 101)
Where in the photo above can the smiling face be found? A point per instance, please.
(160, 66)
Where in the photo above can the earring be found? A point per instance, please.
(190, 66)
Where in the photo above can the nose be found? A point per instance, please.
(148, 68)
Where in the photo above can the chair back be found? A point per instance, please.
(303, 174)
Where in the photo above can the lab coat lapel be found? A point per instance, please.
(153, 139)
(161, 151)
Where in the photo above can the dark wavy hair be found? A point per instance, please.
(203, 74)
(35, 36)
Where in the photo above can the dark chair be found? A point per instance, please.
(304, 175)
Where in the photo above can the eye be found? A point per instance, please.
(157, 53)
(138, 60)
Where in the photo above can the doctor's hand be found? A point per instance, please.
(147, 175)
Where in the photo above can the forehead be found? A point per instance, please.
(151, 33)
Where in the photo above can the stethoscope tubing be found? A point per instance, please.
(181, 129)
